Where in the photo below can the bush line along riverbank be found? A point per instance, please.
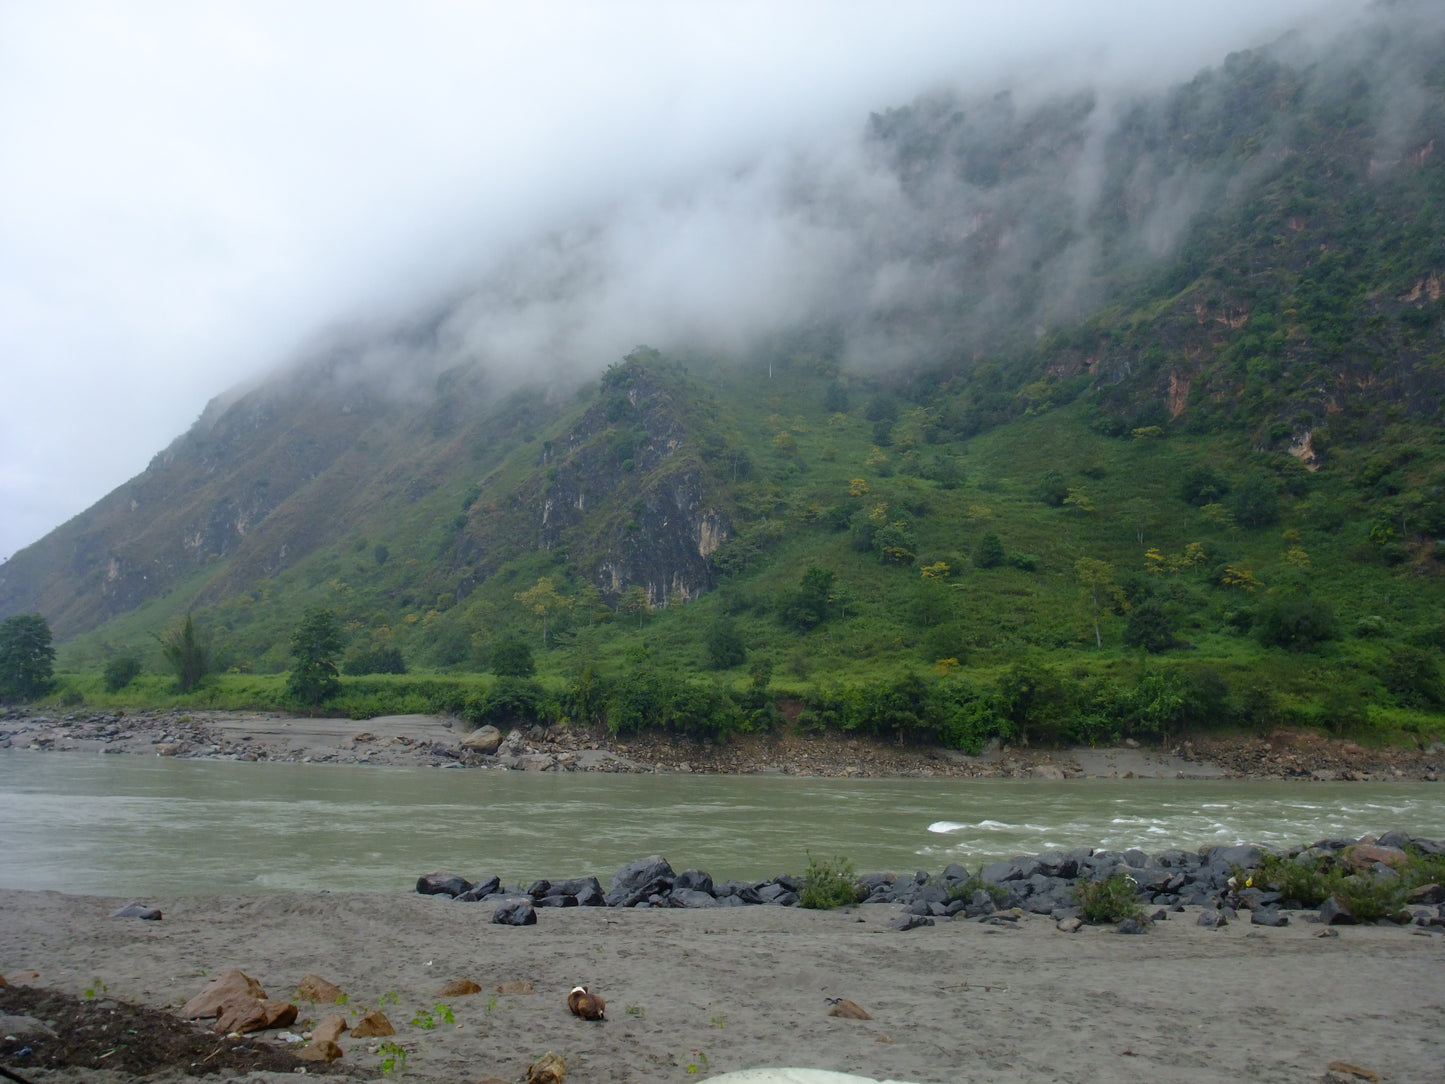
(1394, 878)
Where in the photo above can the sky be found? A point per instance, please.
(192, 191)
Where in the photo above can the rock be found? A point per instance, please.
(315, 988)
(137, 910)
(587, 1005)
(1365, 855)
(515, 912)
(640, 879)
(910, 922)
(1131, 925)
(1268, 917)
(458, 988)
(1211, 919)
(324, 1050)
(1070, 924)
(849, 1010)
(1335, 913)
(1426, 894)
(550, 1068)
(694, 881)
(227, 986)
(485, 739)
(25, 1027)
(330, 1029)
(687, 897)
(481, 889)
(442, 884)
(373, 1025)
(1351, 1072)
(246, 1014)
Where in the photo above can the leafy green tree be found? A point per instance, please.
(807, 606)
(315, 646)
(376, 660)
(27, 659)
(545, 602)
(1100, 591)
(1052, 488)
(511, 701)
(1256, 502)
(725, 647)
(1149, 626)
(989, 551)
(187, 651)
(1296, 622)
(511, 657)
(1203, 485)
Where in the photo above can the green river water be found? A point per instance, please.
(137, 826)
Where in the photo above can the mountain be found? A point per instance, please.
(1112, 404)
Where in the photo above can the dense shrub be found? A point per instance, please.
(1149, 626)
(1296, 622)
(376, 660)
(1113, 899)
(511, 701)
(828, 884)
(120, 672)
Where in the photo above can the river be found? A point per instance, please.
(138, 826)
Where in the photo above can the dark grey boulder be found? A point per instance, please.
(538, 889)
(1132, 925)
(1211, 919)
(1267, 916)
(1335, 913)
(639, 880)
(690, 897)
(910, 922)
(557, 900)
(137, 910)
(482, 889)
(695, 881)
(442, 884)
(515, 912)
(744, 892)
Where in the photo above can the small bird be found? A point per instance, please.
(586, 1005)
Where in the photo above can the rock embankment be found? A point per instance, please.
(1225, 883)
(440, 742)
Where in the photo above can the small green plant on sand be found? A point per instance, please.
(828, 884)
(964, 890)
(635, 1010)
(96, 988)
(1111, 900)
(698, 1062)
(428, 1018)
(393, 1057)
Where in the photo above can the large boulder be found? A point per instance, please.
(246, 1014)
(515, 912)
(230, 984)
(481, 889)
(640, 879)
(442, 884)
(485, 739)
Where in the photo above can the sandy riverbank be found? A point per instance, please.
(696, 993)
(439, 741)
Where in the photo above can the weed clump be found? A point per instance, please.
(1111, 900)
(828, 884)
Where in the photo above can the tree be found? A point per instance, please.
(725, 647)
(27, 659)
(315, 646)
(807, 606)
(989, 551)
(187, 651)
(120, 672)
(1102, 593)
(511, 657)
(545, 601)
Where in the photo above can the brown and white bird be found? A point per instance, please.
(586, 1005)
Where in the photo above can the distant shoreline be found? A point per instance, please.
(439, 741)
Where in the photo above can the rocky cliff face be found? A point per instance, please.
(624, 493)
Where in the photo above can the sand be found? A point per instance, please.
(693, 994)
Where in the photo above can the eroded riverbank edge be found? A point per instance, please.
(439, 741)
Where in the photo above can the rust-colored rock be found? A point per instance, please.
(458, 988)
(1354, 1072)
(849, 1010)
(330, 1029)
(373, 1025)
(1365, 855)
(2, 981)
(315, 988)
(246, 1014)
(550, 1068)
(228, 985)
(325, 1050)
(586, 1004)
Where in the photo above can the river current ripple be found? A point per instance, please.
(136, 826)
